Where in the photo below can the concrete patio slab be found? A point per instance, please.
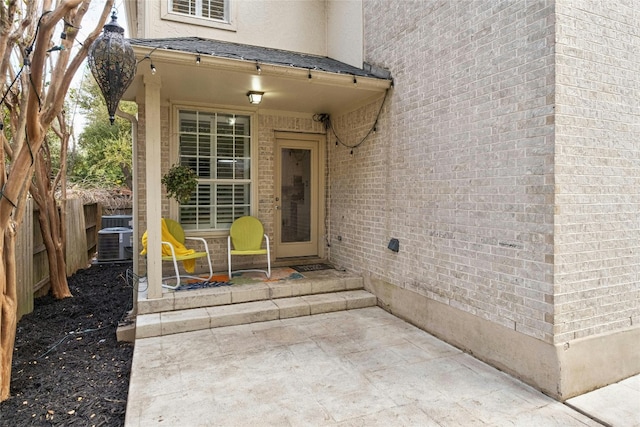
(360, 367)
(604, 404)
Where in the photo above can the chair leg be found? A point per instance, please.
(267, 273)
(229, 255)
(268, 263)
(177, 269)
(268, 257)
(175, 265)
(210, 267)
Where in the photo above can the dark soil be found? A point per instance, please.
(68, 368)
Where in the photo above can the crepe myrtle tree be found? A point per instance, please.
(39, 58)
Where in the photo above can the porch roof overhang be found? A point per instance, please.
(291, 81)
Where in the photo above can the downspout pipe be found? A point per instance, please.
(136, 242)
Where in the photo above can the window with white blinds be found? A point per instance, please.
(209, 9)
(217, 146)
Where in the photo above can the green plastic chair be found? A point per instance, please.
(245, 238)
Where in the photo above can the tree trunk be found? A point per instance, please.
(8, 308)
(39, 105)
(50, 228)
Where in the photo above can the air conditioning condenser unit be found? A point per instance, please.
(115, 244)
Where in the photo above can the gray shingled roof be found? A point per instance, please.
(263, 55)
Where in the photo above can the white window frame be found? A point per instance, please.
(229, 23)
(175, 158)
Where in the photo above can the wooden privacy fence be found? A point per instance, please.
(83, 224)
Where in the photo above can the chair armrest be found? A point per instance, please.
(200, 239)
(173, 251)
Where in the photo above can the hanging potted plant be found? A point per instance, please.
(180, 181)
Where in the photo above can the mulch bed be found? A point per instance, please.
(68, 368)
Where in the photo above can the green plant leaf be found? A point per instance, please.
(180, 181)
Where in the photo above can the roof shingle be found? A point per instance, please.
(263, 55)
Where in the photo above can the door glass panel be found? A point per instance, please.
(296, 195)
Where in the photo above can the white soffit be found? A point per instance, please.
(226, 81)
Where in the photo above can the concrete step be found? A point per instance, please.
(193, 319)
(314, 282)
(318, 292)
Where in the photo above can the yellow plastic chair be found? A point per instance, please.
(174, 250)
(245, 238)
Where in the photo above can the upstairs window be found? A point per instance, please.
(209, 9)
(215, 13)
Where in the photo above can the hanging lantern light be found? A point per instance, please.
(113, 64)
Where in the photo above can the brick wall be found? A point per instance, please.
(460, 169)
(505, 207)
(266, 124)
(597, 225)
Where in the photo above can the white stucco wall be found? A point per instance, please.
(344, 31)
(330, 28)
(295, 25)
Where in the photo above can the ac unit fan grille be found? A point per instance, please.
(114, 244)
(108, 247)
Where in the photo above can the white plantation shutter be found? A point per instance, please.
(213, 9)
(210, 9)
(217, 146)
(188, 7)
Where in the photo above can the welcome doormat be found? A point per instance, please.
(312, 267)
(202, 285)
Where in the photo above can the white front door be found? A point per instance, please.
(298, 207)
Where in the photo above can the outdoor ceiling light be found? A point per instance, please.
(113, 64)
(255, 97)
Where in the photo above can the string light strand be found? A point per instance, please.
(328, 125)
